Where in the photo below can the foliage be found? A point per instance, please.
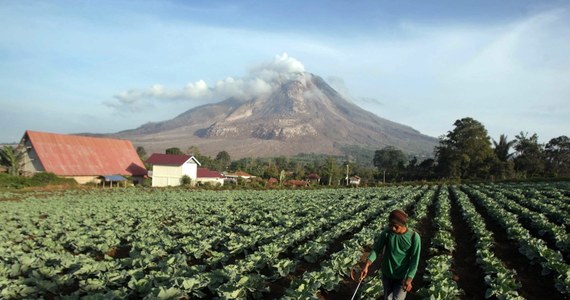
(223, 160)
(174, 151)
(465, 152)
(45, 178)
(501, 282)
(361, 156)
(175, 243)
(331, 170)
(557, 154)
(11, 181)
(37, 180)
(185, 180)
(141, 152)
(389, 159)
(12, 159)
(529, 157)
(503, 148)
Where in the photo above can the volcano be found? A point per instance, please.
(302, 114)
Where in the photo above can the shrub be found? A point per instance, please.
(185, 180)
(11, 181)
(39, 179)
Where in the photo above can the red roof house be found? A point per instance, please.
(315, 178)
(206, 175)
(169, 169)
(81, 157)
(169, 159)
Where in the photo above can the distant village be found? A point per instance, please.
(113, 163)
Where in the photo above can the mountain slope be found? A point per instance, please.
(303, 114)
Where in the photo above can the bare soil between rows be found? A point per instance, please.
(534, 285)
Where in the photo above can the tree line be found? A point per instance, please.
(465, 152)
(331, 169)
(468, 152)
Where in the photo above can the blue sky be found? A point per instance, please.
(106, 66)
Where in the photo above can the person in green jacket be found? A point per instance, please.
(401, 255)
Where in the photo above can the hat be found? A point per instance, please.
(399, 217)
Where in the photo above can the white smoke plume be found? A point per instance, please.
(260, 80)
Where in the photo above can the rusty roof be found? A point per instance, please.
(74, 155)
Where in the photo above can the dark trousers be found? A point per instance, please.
(393, 289)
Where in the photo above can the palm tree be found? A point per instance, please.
(11, 158)
(503, 147)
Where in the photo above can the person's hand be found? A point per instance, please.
(364, 271)
(407, 284)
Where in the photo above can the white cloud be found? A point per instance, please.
(281, 66)
(261, 79)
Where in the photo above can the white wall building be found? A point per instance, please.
(168, 169)
(206, 176)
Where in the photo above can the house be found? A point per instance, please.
(168, 169)
(239, 174)
(354, 180)
(314, 178)
(82, 158)
(205, 175)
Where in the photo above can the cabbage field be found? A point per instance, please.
(497, 241)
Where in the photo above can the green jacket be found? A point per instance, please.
(401, 257)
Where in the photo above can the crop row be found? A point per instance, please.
(537, 220)
(501, 281)
(534, 249)
(373, 288)
(438, 274)
(169, 243)
(337, 267)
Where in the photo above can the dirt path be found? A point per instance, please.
(425, 229)
(470, 277)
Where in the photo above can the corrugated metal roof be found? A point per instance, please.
(169, 159)
(114, 178)
(74, 155)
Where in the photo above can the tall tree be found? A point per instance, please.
(529, 156)
(389, 160)
(12, 159)
(503, 167)
(271, 171)
(174, 151)
(465, 152)
(282, 162)
(141, 152)
(557, 152)
(426, 169)
(331, 170)
(503, 148)
(223, 159)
